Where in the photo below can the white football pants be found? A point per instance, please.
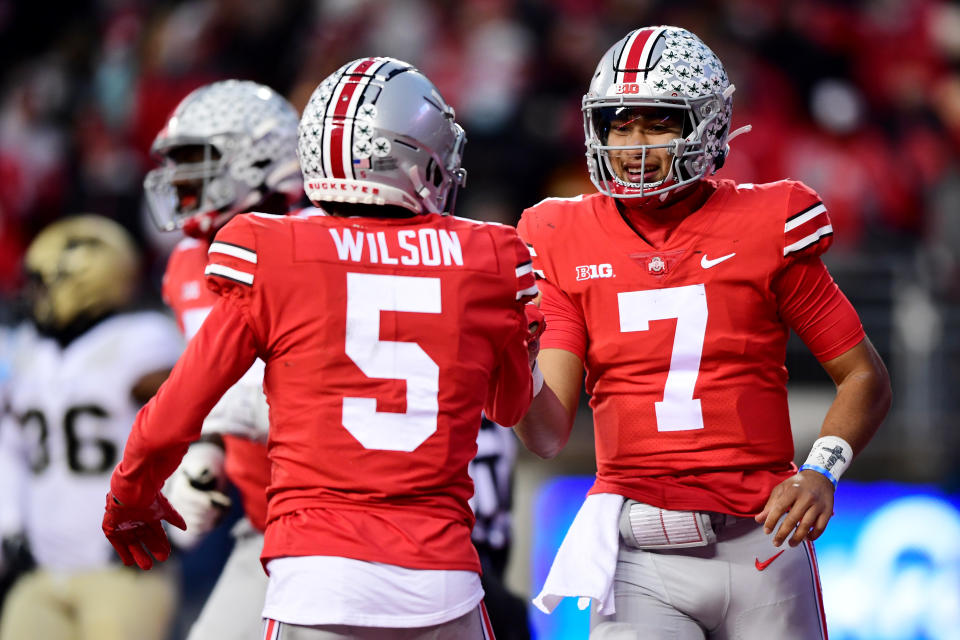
(232, 612)
(474, 625)
(735, 589)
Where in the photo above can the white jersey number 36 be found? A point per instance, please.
(367, 295)
(679, 410)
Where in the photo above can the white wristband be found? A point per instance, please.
(830, 455)
(537, 378)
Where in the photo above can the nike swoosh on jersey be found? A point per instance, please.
(706, 262)
(766, 563)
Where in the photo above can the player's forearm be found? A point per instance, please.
(164, 429)
(509, 394)
(151, 454)
(863, 397)
(217, 356)
(546, 427)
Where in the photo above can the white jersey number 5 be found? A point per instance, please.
(367, 295)
(679, 410)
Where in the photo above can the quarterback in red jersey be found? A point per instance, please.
(228, 147)
(676, 293)
(386, 328)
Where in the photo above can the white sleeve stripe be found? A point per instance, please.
(227, 272)
(810, 239)
(539, 273)
(524, 269)
(799, 220)
(233, 250)
(533, 252)
(529, 291)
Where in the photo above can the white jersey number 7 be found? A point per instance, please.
(679, 410)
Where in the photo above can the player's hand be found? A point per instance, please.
(136, 532)
(536, 323)
(806, 501)
(202, 508)
(196, 488)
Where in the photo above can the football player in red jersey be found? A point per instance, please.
(228, 147)
(386, 328)
(676, 293)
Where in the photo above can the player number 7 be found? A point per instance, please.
(679, 410)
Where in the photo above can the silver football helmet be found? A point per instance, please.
(378, 132)
(226, 147)
(660, 67)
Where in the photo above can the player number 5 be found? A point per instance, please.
(679, 410)
(367, 295)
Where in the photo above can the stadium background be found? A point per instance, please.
(860, 99)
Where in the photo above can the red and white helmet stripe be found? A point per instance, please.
(342, 108)
(635, 54)
(378, 132)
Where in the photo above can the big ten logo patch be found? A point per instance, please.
(591, 271)
(627, 88)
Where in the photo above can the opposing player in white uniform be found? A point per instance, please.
(77, 379)
(227, 148)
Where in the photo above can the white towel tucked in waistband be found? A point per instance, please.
(587, 559)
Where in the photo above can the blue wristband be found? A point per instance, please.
(821, 470)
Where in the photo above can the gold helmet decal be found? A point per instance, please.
(80, 268)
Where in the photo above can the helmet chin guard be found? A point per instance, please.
(665, 68)
(378, 132)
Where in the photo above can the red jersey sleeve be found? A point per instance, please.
(809, 300)
(232, 259)
(812, 304)
(525, 233)
(511, 386)
(526, 281)
(222, 350)
(807, 230)
(566, 327)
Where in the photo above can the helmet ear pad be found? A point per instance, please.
(661, 67)
(378, 132)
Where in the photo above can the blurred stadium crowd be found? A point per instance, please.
(860, 99)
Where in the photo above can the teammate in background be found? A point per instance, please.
(228, 147)
(676, 293)
(77, 378)
(386, 327)
(492, 473)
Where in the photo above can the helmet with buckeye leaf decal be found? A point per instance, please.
(377, 132)
(659, 68)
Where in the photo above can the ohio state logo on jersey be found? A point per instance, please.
(591, 271)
